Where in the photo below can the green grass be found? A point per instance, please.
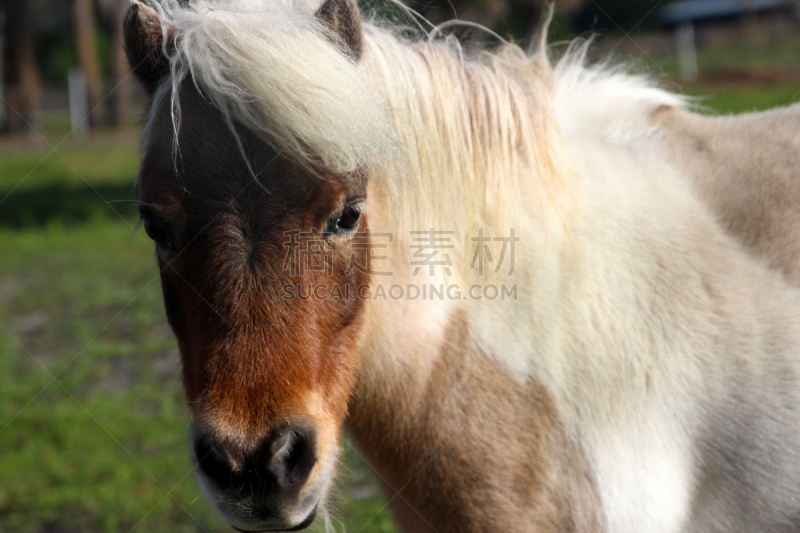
(779, 59)
(104, 448)
(742, 99)
(97, 449)
(783, 54)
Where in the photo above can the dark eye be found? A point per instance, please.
(158, 230)
(345, 221)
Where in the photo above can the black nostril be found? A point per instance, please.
(283, 460)
(293, 457)
(212, 462)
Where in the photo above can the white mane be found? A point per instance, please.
(456, 136)
(604, 101)
(277, 70)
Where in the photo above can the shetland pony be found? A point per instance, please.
(306, 176)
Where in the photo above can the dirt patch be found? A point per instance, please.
(32, 324)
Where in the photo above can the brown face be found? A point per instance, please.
(268, 370)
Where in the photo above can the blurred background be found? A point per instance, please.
(93, 425)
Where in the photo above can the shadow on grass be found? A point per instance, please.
(38, 207)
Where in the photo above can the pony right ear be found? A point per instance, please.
(343, 17)
(145, 45)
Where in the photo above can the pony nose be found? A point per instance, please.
(281, 462)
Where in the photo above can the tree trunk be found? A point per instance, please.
(119, 67)
(87, 53)
(21, 84)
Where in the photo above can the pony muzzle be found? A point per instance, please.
(266, 486)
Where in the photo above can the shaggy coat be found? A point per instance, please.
(646, 376)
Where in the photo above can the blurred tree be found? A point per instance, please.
(85, 42)
(617, 15)
(21, 84)
(518, 19)
(54, 42)
(115, 14)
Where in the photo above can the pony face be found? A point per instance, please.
(267, 369)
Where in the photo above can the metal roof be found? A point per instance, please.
(694, 10)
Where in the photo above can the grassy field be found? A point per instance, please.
(742, 78)
(93, 425)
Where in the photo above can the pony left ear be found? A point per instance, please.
(344, 18)
(146, 41)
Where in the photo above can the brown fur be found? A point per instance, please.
(251, 359)
(530, 475)
(144, 45)
(343, 17)
(746, 169)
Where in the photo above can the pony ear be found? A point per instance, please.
(145, 45)
(343, 17)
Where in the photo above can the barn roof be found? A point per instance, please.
(698, 10)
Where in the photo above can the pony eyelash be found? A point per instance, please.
(359, 204)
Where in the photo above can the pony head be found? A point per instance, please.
(247, 196)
